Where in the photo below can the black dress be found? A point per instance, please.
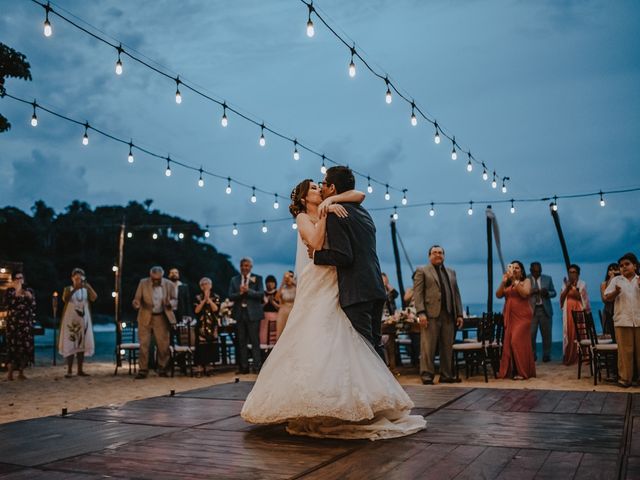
(207, 333)
(21, 315)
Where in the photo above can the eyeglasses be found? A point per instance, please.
(19, 278)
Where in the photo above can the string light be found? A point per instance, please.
(201, 180)
(454, 154)
(387, 97)
(310, 30)
(432, 212)
(119, 62)
(235, 229)
(262, 140)
(207, 234)
(504, 184)
(47, 25)
(414, 119)
(254, 199)
(130, 156)
(85, 137)
(513, 207)
(602, 202)
(352, 65)
(436, 137)
(129, 234)
(494, 182)
(224, 121)
(395, 213)
(114, 268)
(469, 164)
(34, 117)
(387, 196)
(554, 204)
(178, 94)
(404, 197)
(228, 189)
(470, 211)
(369, 187)
(296, 154)
(154, 236)
(167, 172)
(323, 168)
(485, 175)
(276, 205)
(264, 227)
(294, 225)
(181, 236)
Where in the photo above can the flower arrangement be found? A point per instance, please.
(225, 312)
(403, 320)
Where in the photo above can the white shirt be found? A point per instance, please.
(626, 310)
(158, 297)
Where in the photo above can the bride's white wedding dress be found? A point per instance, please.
(322, 377)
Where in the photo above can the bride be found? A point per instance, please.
(322, 377)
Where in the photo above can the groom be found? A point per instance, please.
(352, 249)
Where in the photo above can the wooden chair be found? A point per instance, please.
(480, 353)
(604, 355)
(582, 341)
(186, 349)
(128, 347)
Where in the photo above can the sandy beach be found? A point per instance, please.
(46, 391)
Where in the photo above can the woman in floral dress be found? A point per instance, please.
(21, 314)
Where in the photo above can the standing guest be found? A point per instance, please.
(182, 304)
(390, 302)
(206, 307)
(572, 297)
(624, 290)
(613, 270)
(271, 306)
(413, 335)
(76, 329)
(154, 300)
(517, 354)
(285, 297)
(542, 291)
(21, 313)
(246, 292)
(439, 310)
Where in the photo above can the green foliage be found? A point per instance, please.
(51, 245)
(13, 65)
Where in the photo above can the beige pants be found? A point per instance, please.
(159, 327)
(439, 333)
(628, 340)
(283, 316)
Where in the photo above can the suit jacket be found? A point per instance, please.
(144, 295)
(253, 298)
(352, 249)
(545, 282)
(426, 292)
(184, 306)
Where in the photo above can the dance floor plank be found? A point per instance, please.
(471, 433)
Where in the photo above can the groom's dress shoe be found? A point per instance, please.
(426, 379)
(449, 380)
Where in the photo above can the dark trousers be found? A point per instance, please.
(366, 318)
(541, 319)
(248, 332)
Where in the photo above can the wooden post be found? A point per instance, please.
(54, 308)
(563, 244)
(489, 265)
(396, 256)
(118, 287)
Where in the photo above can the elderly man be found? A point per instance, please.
(439, 309)
(247, 293)
(154, 301)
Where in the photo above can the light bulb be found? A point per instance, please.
(119, 67)
(432, 212)
(504, 188)
(294, 226)
(114, 268)
(228, 190)
(85, 139)
(235, 230)
(130, 157)
(404, 199)
(122, 352)
(310, 30)
(47, 27)
(225, 121)
(114, 294)
(129, 234)
(436, 138)
(485, 175)
(554, 207)
(470, 211)
(154, 236)
(388, 98)
(123, 324)
(323, 169)
(167, 172)
(181, 235)
(178, 97)
(395, 215)
(494, 183)
(264, 227)
(34, 120)
(602, 203)
(454, 154)
(276, 205)
(254, 199)
(262, 140)
(207, 234)
(369, 188)
(513, 208)
(296, 154)
(352, 69)
(201, 182)
(387, 196)
(469, 166)
(414, 119)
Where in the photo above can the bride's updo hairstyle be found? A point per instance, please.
(298, 198)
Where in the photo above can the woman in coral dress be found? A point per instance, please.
(517, 355)
(572, 297)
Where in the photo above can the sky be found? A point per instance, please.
(544, 92)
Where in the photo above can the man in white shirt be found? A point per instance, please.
(625, 291)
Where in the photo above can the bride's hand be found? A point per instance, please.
(339, 210)
(323, 208)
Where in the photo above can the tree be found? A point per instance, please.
(12, 65)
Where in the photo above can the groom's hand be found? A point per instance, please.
(422, 318)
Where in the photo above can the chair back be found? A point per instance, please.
(580, 323)
(591, 328)
(129, 329)
(186, 333)
(490, 329)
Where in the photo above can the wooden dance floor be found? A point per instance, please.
(471, 433)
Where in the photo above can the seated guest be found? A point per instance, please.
(270, 308)
(390, 302)
(517, 354)
(206, 307)
(285, 297)
(572, 297)
(624, 290)
(613, 270)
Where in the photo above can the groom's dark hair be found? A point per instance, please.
(342, 177)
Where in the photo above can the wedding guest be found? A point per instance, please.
(414, 336)
(154, 300)
(573, 296)
(271, 306)
(285, 297)
(246, 292)
(21, 313)
(206, 308)
(517, 354)
(182, 304)
(390, 302)
(76, 329)
(542, 291)
(439, 309)
(624, 290)
(613, 270)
